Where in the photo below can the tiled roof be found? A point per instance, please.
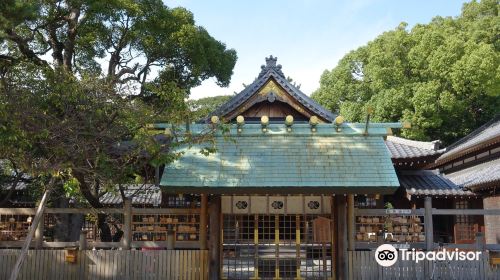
(426, 182)
(478, 175)
(141, 194)
(487, 134)
(272, 70)
(288, 159)
(401, 148)
(19, 187)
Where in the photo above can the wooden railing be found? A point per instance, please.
(108, 264)
(362, 266)
(127, 226)
(477, 243)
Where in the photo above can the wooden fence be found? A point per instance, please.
(108, 264)
(362, 266)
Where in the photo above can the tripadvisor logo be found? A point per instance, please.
(386, 255)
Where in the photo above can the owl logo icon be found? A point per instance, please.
(386, 255)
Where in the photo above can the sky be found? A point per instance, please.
(307, 36)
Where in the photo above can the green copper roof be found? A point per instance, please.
(299, 158)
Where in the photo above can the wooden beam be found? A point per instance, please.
(99, 244)
(350, 223)
(188, 211)
(84, 210)
(341, 241)
(27, 242)
(214, 242)
(32, 211)
(478, 212)
(164, 244)
(383, 212)
(421, 212)
(203, 222)
(429, 231)
(17, 211)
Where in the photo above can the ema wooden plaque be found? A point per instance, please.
(322, 230)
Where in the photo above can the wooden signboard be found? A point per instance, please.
(322, 230)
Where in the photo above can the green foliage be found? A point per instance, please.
(71, 188)
(201, 108)
(443, 77)
(116, 67)
(133, 38)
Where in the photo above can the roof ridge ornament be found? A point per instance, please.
(271, 61)
(271, 64)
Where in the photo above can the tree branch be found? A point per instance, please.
(86, 190)
(24, 47)
(69, 45)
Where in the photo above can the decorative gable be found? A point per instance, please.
(272, 95)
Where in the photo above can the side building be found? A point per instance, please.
(474, 163)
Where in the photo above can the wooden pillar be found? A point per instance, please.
(350, 223)
(203, 222)
(256, 245)
(83, 240)
(277, 247)
(341, 237)
(39, 233)
(333, 215)
(214, 242)
(127, 224)
(170, 237)
(429, 231)
(297, 245)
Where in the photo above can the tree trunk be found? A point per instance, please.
(105, 235)
(105, 231)
(68, 226)
(11, 191)
(62, 221)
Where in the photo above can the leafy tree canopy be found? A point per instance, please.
(200, 108)
(443, 77)
(81, 79)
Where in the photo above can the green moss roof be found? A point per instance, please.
(286, 159)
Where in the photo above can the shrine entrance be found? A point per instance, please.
(277, 246)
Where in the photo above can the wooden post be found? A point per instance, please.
(480, 241)
(297, 245)
(276, 244)
(333, 215)
(170, 237)
(350, 223)
(127, 224)
(214, 242)
(203, 222)
(29, 237)
(341, 240)
(39, 234)
(83, 240)
(429, 231)
(256, 245)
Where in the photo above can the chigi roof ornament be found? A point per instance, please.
(271, 65)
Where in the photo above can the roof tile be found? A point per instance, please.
(282, 160)
(477, 175)
(427, 182)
